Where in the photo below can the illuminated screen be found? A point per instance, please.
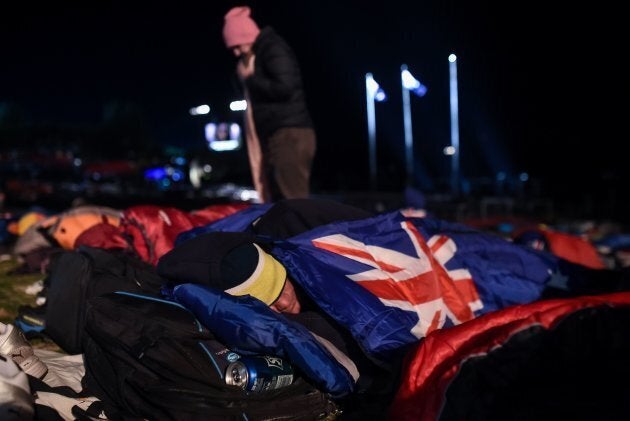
(223, 136)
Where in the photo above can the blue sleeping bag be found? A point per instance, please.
(249, 327)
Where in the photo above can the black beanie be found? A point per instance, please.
(227, 261)
(198, 259)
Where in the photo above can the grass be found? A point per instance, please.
(13, 295)
(13, 290)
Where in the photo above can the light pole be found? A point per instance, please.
(452, 66)
(409, 83)
(373, 92)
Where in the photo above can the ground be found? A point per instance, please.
(13, 294)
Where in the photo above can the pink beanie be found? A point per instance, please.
(239, 28)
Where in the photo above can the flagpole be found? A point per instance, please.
(371, 122)
(407, 127)
(454, 124)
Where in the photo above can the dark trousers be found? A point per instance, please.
(288, 158)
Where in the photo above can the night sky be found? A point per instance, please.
(541, 88)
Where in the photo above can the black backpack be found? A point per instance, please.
(76, 276)
(151, 358)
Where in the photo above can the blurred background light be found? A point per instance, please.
(199, 110)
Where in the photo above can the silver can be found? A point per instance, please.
(259, 373)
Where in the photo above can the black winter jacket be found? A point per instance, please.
(275, 88)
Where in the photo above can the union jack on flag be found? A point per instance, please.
(392, 280)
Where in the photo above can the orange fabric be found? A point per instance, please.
(70, 227)
(573, 249)
(20, 226)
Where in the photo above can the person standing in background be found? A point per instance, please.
(279, 130)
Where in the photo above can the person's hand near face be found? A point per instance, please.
(245, 65)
